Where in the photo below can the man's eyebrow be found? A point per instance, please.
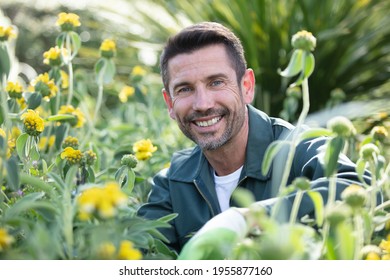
(206, 79)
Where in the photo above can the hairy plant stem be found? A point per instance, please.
(70, 70)
(359, 235)
(291, 153)
(295, 208)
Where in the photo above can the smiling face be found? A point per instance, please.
(205, 98)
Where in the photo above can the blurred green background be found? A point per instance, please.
(352, 54)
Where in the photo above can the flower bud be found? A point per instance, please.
(341, 126)
(338, 213)
(379, 133)
(89, 157)
(301, 183)
(129, 160)
(370, 252)
(354, 195)
(369, 151)
(294, 92)
(71, 141)
(304, 40)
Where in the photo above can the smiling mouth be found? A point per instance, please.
(209, 122)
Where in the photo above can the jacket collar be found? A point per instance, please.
(188, 165)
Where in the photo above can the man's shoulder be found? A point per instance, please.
(184, 164)
(277, 125)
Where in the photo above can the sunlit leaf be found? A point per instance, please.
(333, 150)
(318, 202)
(270, 154)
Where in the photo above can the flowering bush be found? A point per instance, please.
(73, 171)
(70, 178)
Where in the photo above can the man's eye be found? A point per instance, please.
(183, 90)
(216, 83)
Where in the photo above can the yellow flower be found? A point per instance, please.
(33, 123)
(138, 71)
(125, 93)
(70, 110)
(45, 86)
(108, 48)
(68, 21)
(14, 90)
(386, 257)
(71, 155)
(5, 239)
(6, 33)
(106, 251)
(144, 149)
(385, 246)
(372, 256)
(102, 201)
(2, 133)
(70, 141)
(52, 57)
(128, 252)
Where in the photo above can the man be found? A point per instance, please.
(208, 91)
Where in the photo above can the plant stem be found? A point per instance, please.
(291, 153)
(359, 232)
(295, 208)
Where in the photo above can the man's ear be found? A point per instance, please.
(168, 100)
(248, 86)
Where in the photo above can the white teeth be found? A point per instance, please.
(209, 122)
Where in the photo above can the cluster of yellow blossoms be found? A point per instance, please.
(45, 86)
(126, 251)
(68, 21)
(5, 239)
(52, 57)
(33, 123)
(108, 48)
(72, 156)
(6, 33)
(144, 149)
(102, 201)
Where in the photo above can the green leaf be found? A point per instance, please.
(60, 117)
(318, 202)
(12, 173)
(5, 61)
(243, 197)
(34, 100)
(21, 144)
(333, 150)
(168, 218)
(60, 39)
(360, 168)
(314, 133)
(75, 41)
(25, 203)
(34, 153)
(270, 154)
(70, 176)
(309, 65)
(294, 66)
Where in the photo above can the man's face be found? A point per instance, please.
(205, 98)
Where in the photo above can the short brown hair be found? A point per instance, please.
(200, 35)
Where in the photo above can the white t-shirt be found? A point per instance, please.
(224, 186)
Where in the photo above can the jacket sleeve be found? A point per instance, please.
(159, 205)
(308, 162)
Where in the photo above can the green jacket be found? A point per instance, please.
(187, 187)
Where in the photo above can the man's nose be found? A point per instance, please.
(203, 100)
